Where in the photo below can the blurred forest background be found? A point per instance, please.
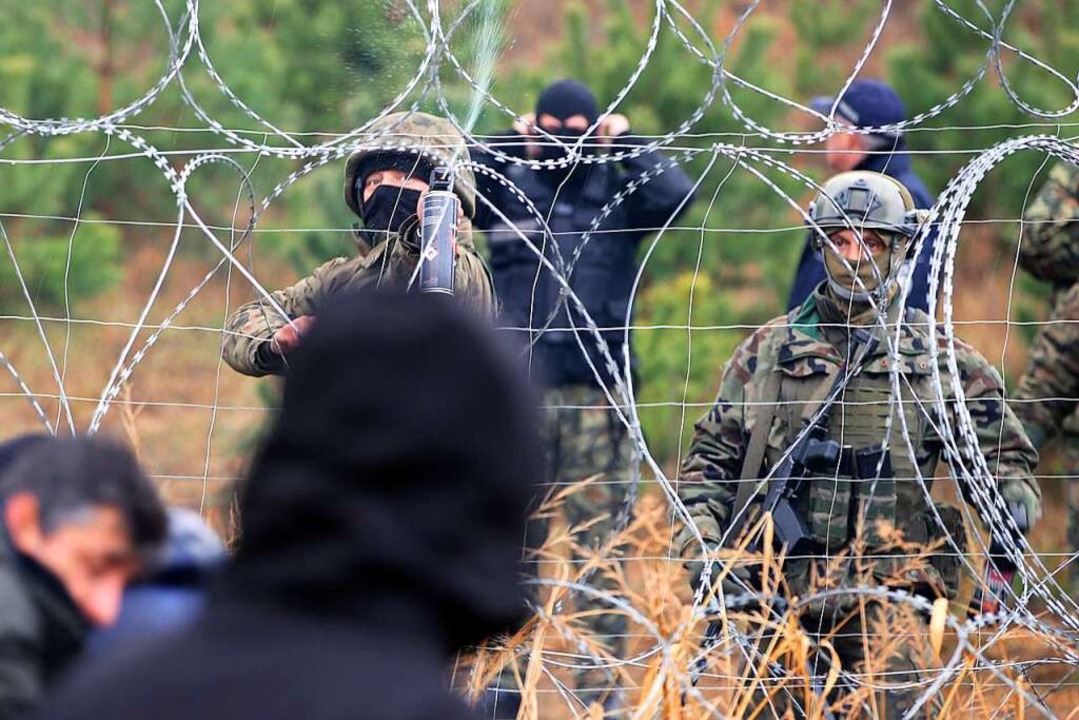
(91, 221)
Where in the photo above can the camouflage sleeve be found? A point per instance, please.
(1049, 389)
(471, 282)
(248, 331)
(708, 481)
(1008, 451)
(1050, 245)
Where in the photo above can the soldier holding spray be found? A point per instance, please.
(388, 184)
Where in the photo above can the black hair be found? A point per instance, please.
(70, 475)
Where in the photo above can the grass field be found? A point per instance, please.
(993, 675)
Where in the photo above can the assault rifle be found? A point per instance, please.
(812, 453)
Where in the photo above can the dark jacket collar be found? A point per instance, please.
(61, 627)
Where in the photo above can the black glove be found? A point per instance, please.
(736, 580)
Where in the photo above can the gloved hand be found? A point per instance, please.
(1017, 492)
(735, 581)
(1025, 506)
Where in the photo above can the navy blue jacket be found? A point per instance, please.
(811, 266)
(600, 268)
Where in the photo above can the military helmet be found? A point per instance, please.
(433, 139)
(864, 200)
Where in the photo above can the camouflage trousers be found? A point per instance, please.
(583, 438)
(850, 633)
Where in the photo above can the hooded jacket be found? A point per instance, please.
(897, 164)
(41, 630)
(604, 261)
(381, 526)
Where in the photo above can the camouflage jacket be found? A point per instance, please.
(1050, 246)
(1049, 389)
(392, 263)
(797, 347)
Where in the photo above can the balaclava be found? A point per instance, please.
(390, 207)
(564, 99)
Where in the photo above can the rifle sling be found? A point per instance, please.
(758, 439)
(754, 459)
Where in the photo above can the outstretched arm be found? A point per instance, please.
(250, 329)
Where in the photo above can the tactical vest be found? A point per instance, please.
(845, 503)
(602, 273)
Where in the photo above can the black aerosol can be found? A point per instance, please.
(438, 234)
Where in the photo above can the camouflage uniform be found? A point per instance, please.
(390, 262)
(583, 436)
(1048, 397)
(806, 348)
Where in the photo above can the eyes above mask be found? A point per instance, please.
(387, 209)
(550, 150)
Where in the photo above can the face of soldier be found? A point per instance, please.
(392, 178)
(567, 131)
(845, 151)
(390, 197)
(869, 259)
(90, 553)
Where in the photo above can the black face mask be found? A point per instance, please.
(387, 210)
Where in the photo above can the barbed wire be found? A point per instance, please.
(947, 411)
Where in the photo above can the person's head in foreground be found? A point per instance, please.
(83, 510)
(79, 519)
(381, 530)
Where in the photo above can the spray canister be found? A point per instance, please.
(438, 234)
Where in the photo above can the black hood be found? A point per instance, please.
(399, 474)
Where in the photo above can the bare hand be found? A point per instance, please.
(286, 339)
(613, 126)
(526, 128)
(460, 209)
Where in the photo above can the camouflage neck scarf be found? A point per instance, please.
(835, 310)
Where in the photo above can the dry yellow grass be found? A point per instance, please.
(190, 425)
(666, 637)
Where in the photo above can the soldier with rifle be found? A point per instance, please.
(808, 418)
